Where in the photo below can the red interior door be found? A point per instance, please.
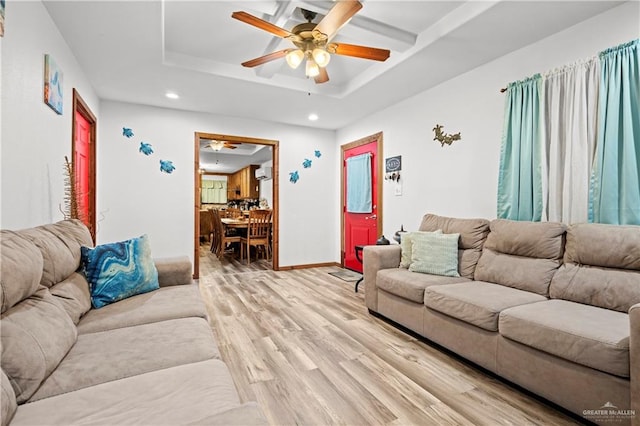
(360, 228)
(82, 167)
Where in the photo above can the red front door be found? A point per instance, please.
(361, 226)
(82, 167)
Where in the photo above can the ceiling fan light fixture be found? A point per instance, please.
(216, 145)
(294, 58)
(312, 69)
(321, 57)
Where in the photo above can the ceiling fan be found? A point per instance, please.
(313, 41)
(217, 145)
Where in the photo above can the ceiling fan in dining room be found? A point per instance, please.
(217, 145)
(313, 42)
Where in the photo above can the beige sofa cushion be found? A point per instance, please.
(20, 268)
(478, 303)
(180, 301)
(7, 400)
(60, 246)
(174, 270)
(473, 233)
(522, 255)
(411, 285)
(36, 334)
(73, 295)
(587, 335)
(110, 355)
(180, 395)
(248, 414)
(602, 267)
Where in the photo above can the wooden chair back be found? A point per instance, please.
(258, 233)
(233, 213)
(216, 239)
(206, 224)
(220, 240)
(259, 224)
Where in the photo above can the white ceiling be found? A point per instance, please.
(230, 160)
(137, 51)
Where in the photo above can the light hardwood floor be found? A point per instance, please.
(303, 345)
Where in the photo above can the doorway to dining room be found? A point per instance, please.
(232, 148)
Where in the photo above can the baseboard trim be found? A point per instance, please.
(310, 265)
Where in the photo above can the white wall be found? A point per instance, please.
(461, 180)
(34, 138)
(266, 186)
(135, 198)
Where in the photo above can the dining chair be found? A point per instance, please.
(258, 234)
(233, 213)
(222, 240)
(206, 225)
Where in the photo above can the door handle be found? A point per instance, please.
(373, 216)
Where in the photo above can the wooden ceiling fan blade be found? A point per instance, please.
(337, 17)
(226, 145)
(261, 23)
(323, 77)
(266, 58)
(356, 51)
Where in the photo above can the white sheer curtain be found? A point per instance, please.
(570, 114)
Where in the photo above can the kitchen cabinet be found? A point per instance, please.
(243, 184)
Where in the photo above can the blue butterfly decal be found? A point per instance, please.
(306, 163)
(167, 166)
(127, 132)
(317, 154)
(293, 177)
(145, 148)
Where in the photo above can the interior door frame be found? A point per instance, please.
(274, 144)
(379, 165)
(81, 107)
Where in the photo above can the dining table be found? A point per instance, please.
(235, 222)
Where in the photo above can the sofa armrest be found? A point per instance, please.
(634, 358)
(174, 271)
(374, 259)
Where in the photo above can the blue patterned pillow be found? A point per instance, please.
(116, 271)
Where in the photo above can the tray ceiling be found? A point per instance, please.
(137, 51)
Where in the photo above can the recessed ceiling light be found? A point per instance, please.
(313, 117)
(171, 95)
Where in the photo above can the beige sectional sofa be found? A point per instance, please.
(552, 308)
(150, 359)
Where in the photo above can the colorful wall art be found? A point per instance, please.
(53, 94)
(1, 18)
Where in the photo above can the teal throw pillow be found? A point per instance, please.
(406, 242)
(119, 270)
(435, 254)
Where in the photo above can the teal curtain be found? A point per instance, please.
(520, 174)
(615, 180)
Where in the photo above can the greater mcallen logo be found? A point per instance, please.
(609, 412)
